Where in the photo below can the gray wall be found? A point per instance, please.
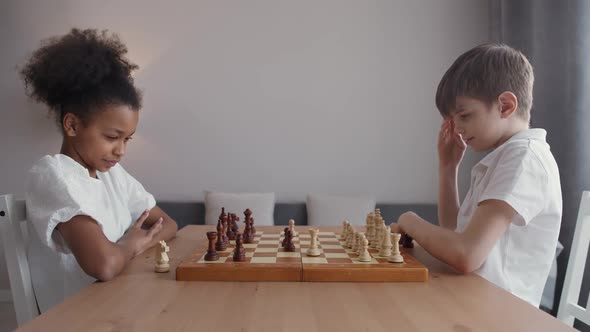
(287, 96)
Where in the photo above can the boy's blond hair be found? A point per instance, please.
(484, 72)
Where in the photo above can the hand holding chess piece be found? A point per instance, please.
(162, 257)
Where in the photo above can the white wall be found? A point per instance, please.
(294, 97)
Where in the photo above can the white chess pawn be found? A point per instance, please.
(396, 257)
(162, 257)
(313, 249)
(355, 242)
(360, 245)
(344, 230)
(370, 227)
(386, 245)
(350, 239)
(292, 228)
(365, 256)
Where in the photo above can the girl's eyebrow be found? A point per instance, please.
(119, 131)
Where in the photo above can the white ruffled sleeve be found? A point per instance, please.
(54, 196)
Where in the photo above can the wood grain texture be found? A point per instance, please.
(141, 300)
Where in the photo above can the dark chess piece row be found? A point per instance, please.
(227, 226)
(239, 254)
(228, 229)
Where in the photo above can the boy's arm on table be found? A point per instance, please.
(464, 251)
(96, 254)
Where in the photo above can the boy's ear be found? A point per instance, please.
(71, 123)
(508, 104)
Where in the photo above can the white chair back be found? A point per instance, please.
(568, 304)
(14, 237)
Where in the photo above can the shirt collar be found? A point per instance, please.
(70, 166)
(528, 134)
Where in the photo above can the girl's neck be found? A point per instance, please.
(70, 151)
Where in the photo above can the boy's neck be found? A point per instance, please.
(511, 130)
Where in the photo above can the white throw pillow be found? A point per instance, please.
(330, 210)
(262, 206)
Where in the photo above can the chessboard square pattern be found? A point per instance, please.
(266, 257)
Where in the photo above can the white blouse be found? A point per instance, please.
(57, 189)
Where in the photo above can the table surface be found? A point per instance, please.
(142, 300)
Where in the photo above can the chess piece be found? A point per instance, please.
(289, 245)
(396, 257)
(350, 238)
(247, 235)
(211, 254)
(284, 242)
(234, 223)
(229, 232)
(355, 242)
(239, 251)
(249, 221)
(162, 257)
(364, 255)
(292, 227)
(360, 243)
(222, 214)
(313, 249)
(220, 244)
(344, 230)
(407, 241)
(370, 227)
(386, 245)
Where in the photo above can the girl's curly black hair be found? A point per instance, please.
(80, 73)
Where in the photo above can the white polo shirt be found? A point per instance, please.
(57, 189)
(523, 173)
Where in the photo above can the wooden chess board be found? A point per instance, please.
(266, 260)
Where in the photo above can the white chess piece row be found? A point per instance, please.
(383, 240)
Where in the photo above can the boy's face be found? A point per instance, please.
(479, 124)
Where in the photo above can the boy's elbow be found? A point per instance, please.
(466, 263)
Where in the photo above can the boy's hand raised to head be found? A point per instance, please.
(451, 146)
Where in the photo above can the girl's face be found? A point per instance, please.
(101, 142)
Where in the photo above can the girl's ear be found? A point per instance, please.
(508, 104)
(71, 124)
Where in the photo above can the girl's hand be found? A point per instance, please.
(451, 146)
(141, 239)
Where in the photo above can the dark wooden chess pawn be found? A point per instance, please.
(234, 223)
(224, 231)
(249, 220)
(406, 241)
(289, 246)
(229, 233)
(220, 244)
(284, 242)
(211, 254)
(222, 214)
(247, 236)
(239, 251)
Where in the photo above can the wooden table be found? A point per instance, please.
(141, 300)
